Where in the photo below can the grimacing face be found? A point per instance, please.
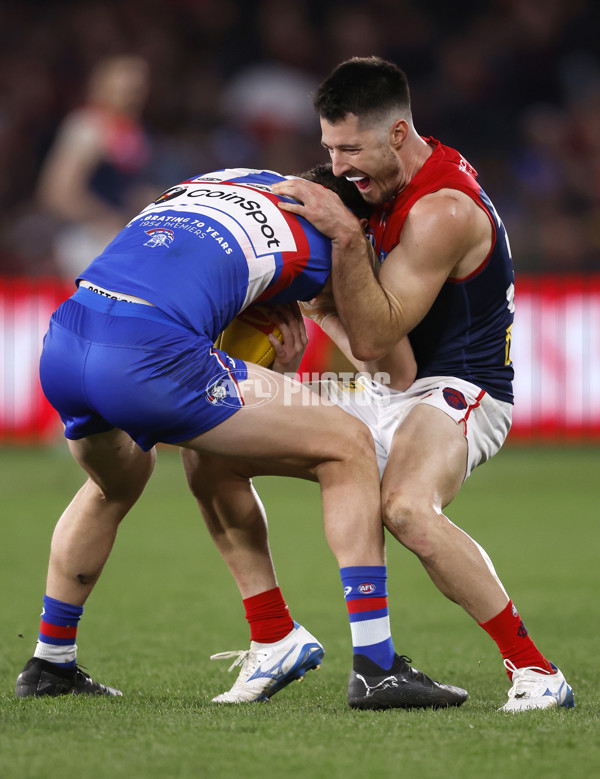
(364, 155)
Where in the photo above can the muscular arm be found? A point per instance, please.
(441, 230)
(397, 369)
(398, 366)
(333, 327)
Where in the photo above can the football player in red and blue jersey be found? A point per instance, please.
(446, 282)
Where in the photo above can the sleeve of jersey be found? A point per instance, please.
(302, 274)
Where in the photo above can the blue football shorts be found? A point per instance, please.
(113, 364)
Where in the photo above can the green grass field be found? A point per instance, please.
(165, 603)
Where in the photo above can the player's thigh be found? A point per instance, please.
(114, 462)
(291, 431)
(207, 473)
(427, 458)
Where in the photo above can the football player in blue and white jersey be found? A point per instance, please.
(128, 362)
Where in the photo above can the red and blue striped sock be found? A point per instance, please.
(366, 598)
(58, 631)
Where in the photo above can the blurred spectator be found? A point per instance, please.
(514, 84)
(268, 101)
(93, 177)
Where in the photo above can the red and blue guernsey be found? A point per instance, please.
(209, 247)
(467, 331)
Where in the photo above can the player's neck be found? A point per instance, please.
(416, 152)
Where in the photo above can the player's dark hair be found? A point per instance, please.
(364, 86)
(344, 189)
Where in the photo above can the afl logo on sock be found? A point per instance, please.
(366, 589)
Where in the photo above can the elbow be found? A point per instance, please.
(368, 351)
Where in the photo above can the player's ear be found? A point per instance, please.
(364, 223)
(398, 133)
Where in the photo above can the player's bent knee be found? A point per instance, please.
(352, 449)
(122, 494)
(206, 474)
(125, 484)
(136, 477)
(408, 520)
(350, 443)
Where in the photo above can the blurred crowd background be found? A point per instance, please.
(104, 104)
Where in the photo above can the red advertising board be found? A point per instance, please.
(25, 308)
(556, 354)
(555, 350)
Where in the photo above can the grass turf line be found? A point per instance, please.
(165, 603)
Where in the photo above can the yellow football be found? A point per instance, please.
(246, 338)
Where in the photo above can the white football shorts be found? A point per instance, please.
(485, 420)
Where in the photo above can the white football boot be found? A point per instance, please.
(268, 668)
(535, 688)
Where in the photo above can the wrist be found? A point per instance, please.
(348, 238)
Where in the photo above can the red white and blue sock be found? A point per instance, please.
(365, 591)
(58, 631)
